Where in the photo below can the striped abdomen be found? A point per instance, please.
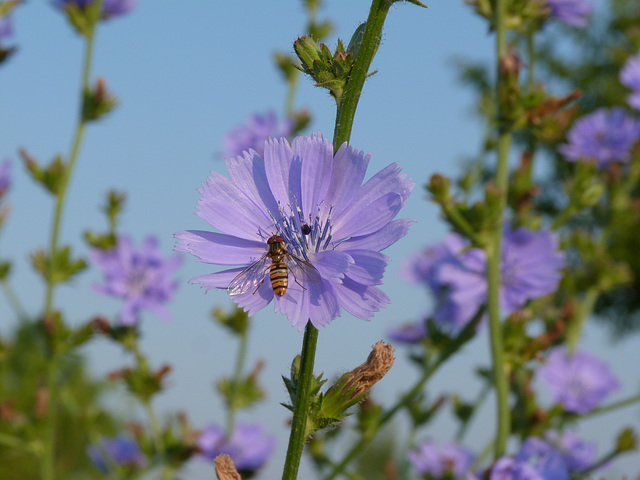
(279, 277)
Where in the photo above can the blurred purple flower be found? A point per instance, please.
(110, 8)
(531, 268)
(349, 224)
(579, 382)
(121, 450)
(248, 447)
(252, 136)
(572, 12)
(5, 177)
(630, 77)
(6, 28)
(409, 333)
(143, 278)
(544, 458)
(578, 454)
(604, 136)
(451, 462)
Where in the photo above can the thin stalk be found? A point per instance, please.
(611, 407)
(13, 300)
(494, 253)
(574, 329)
(298, 434)
(462, 430)
(531, 54)
(48, 460)
(348, 103)
(291, 94)
(237, 374)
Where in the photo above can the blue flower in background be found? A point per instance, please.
(603, 136)
(253, 134)
(248, 447)
(110, 8)
(578, 454)
(450, 462)
(578, 382)
(5, 177)
(409, 333)
(333, 229)
(530, 268)
(143, 278)
(630, 78)
(572, 12)
(121, 450)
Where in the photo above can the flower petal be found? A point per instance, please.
(316, 170)
(225, 207)
(283, 170)
(369, 267)
(359, 300)
(332, 264)
(370, 219)
(347, 174)
(218, 248)
(380, 239)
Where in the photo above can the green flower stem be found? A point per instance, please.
(464, 425)
(465, 227)
(48, 460)
(465, 335)
(531, 53)
(237, 374)
(611, 407)
(13, 300)
(298, 434)
(291, 93)
(348, 103)
(494, 253)
(574, 329)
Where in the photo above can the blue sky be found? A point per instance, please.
(185, 73)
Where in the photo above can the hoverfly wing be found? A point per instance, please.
(250, 279)
(302, 271)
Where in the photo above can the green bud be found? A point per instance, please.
(97, 102)
(308, 52)
(5, 270)
(627, 441)
(243, 392)
(439, 186)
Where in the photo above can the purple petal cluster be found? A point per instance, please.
(248, 447)
(317, 203)
(530, 268)
(142, 278)
(578, 382)
(536, 460)
(110, 8)
(119, 451)
(572, 12)
(5, 177)
(578, 454)
(450, 462)
(410, 333)
(630, 78)
(252, 135)
(603, 136)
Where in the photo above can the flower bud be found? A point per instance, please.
(439, 187)
(225, 469)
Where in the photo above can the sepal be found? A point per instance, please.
(97, 102)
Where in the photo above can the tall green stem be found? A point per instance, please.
(48, 460)
(348, 103)
(301, 408)
(494, 252)
(235, 381)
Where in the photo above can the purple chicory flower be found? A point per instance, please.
(572, 12)
(253, 134)
(604, 136)
(6, 28)
(507, 468)
(121, 450)
(546, 460)
(578, 382)
(143, 278)
(578, 454)
(451, 462)
(110, 8)
(248, 447)
(409, 333)
(530, 268)
(5, 177)
(337, 264)
(630, 78)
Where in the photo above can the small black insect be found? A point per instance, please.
(306, 229)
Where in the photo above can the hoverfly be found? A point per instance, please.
(278, 262)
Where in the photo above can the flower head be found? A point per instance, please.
(121, 450)
(530, 268)
(450, 462)
(572, 12)
(143, 278)
(604, 136)
(252, 136)
(578, 454)
(333, 263)
(630, 77)
(5, 177)
(110, 8)
(578, 382)
(248, 447)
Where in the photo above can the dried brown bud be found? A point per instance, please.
(225, 469)
(365, 376)
(100, 325)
